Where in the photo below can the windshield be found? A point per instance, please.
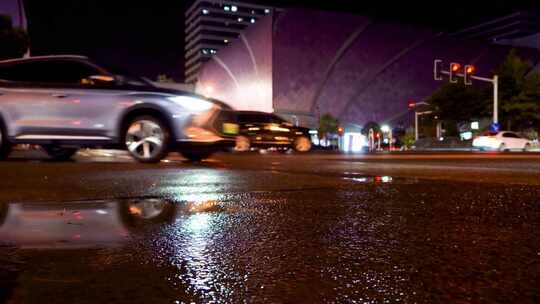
(125, 77)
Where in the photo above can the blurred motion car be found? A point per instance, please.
(502, 141)
(64, 103)
(267, 130)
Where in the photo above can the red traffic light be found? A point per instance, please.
(469, 71)
(455, 67)
(340, 130)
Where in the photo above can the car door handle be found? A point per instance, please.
(60, 95)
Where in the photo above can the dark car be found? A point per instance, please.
(266, 130)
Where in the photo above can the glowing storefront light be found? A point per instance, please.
(354, 142)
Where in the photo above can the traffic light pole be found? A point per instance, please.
(495, 82)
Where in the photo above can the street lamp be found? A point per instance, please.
(417, 115)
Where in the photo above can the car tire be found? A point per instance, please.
(59, 153)
(527, 147)
(302, 144)
(243, 144)
(3, 212)
(147, 139)
(5, 145)
(196, 156)
(502, 148)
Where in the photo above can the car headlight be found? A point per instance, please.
(192, 103)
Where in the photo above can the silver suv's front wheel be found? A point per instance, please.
(147, 139)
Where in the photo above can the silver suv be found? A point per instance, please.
(64, 103)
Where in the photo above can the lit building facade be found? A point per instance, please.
(302, 64)
(212, 25)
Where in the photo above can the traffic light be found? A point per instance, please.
(455, 68)
(437, 69)
(411, 105)
(469, 72)
(340, 130)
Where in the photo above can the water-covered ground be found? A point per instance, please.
(226, 232)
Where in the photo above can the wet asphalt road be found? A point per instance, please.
(318, 228)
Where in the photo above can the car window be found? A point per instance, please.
(277, 119)
(260, 118)
(49, 72)
(510, 135)
(254, 118)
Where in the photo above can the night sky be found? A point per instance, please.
(147, 37)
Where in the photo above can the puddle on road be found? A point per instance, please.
(85, 224)
(62, 244)
(431, 242)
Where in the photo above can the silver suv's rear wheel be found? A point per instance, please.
(5, 146)
(147, 139)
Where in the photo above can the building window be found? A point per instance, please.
(267, 11)
(253, 20)
(226, 40)
(234, 8)
(212, 51)
(227, 8)
(204, 51)
(205, 11)
(240, 19)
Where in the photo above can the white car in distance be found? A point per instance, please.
(502, 141)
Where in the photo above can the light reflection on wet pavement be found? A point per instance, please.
(269, 229)
(375, 240)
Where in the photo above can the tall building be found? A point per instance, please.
(302, 64)
(213, 24)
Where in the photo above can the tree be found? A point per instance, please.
(518, 91)
(14, 42)
(328, 124)
(458, 102)
(371, 125)
(408, 139)
(526, 105)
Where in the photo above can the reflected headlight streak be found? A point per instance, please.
(192, 103)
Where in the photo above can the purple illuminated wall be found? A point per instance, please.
(350, 66)
(241, 74)
(15, 9)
